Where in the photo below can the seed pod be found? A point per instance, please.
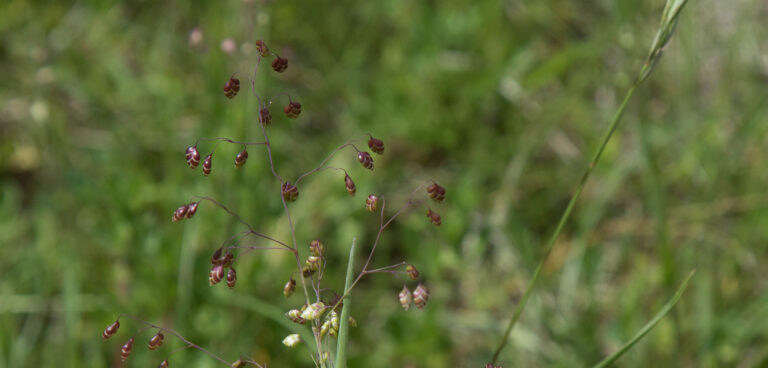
(110, 330)
(313, 311)
(156, 341)
(316, 248)
(352, 321)
(436, 192)
(279, 64)
(313, 263)
(295, 316)
(334, 318)
(306, 271)
(265, 117)
(292, 110)
(216, 274)
(216, 257)
(350, 185)
(289, 287)
(292, 340)
(405, 298)
(365, 159)
(420, 296)
(193, 157)
(324, 328)
(413, 273)
(290, 192)
(240, 158)
(180, 213)
(232, 87)
(238, 364)
(376, 145)
(231, 278)
(372, 203)
(434, 217)
(126, 349)
(164, 364)
(192, 209)
(207, 164)
(262, 48)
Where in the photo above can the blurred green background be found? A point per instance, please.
(502, 102)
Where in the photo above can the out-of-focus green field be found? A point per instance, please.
(502, 102)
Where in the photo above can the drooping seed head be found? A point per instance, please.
(434, 217)
(405, 298)
(334, 318)
(313, 311)
(180, 213)
(290, 192)
(420, 296)
(324, 328)
(292, 340)
(376, 145)
(192, 209)
(372, 203)
(289, 287)
(156, 341)
(350, 185)
(110, 330)
(231, 278)
(207, 164)
(292, 110)
(232, 87)
(279, 64)
(216, 274)
(265, 117)
(125, 351)
(216, 257)
(365, 159)
(262, 48)
(436, 192)
(313, 263)
(240, 158)
(413, 273)
(306, 271)
(316, 248)
(295, 316)
(193, 157)
(163, 364)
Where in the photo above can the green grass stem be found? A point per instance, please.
(341, 348)
(648, 326)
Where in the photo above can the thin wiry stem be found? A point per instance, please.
(183, 339)
(230, 141)
(322, 164)
(240, 219)
(668, 22)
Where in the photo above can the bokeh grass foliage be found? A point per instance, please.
(503, 103)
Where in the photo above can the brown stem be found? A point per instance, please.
(322, 164)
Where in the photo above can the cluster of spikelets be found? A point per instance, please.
(323, 314)
(155, 342)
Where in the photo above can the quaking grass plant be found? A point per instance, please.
(323, 310)
(669, 19)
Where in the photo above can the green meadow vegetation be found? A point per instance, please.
(504, 103)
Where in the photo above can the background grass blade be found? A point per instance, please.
(648, 326)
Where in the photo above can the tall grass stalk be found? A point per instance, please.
(669, 19)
